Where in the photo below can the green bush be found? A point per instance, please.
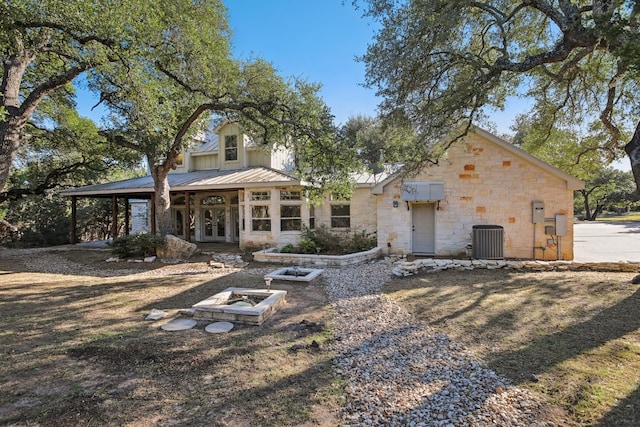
(307, 246)
(142, 244)
(287, 249)
(335, 243)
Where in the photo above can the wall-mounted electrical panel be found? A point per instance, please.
(561, 225)
(538, 212)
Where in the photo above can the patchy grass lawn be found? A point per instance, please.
(627, 216)
(578, 333)
(75, 350)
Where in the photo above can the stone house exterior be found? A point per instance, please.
(484, 182)
(228, 189)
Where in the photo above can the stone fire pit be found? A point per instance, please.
(295, 274)
(241, 305)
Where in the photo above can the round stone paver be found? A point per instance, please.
(219, 327)
(179, 325)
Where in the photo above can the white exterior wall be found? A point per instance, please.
(275, 237)
(206, 162)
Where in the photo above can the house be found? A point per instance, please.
(486, 198)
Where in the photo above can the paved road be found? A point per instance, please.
(606, 241)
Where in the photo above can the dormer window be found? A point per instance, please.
(231, 148)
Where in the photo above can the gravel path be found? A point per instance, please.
(400, 372)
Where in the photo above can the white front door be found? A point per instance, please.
(423, 227)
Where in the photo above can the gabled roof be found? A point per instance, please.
(573, 183)
(191, 181)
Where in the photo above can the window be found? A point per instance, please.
(340, 216)
(260, 195)
(231, 148)
(312, 217)
(260, 218)
(290, 218)
(180, 160)
(290, 195)
(213, 200)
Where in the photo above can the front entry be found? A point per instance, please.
(423, 227)
(213, 224)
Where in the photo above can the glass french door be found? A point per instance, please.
(213, 224)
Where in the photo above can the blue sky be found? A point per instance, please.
(317, 40)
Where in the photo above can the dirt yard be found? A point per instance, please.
(76, 350)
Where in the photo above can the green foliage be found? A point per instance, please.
(142, 244)
(287, 249)
(307, 246)
(608, 188)
(441, 65)
(42, 221)
(337, 243)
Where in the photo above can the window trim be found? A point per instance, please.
(267, 219)
(291, 218)
(228, 139)
(340, 217)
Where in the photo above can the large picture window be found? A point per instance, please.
(231, 148)
(260, 218)
(290, 219)
(340, 216)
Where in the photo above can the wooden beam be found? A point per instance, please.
(152, 206)
(73, 238)
(126, 216)
(187, 217)
(114, 216)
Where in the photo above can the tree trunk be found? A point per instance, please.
(633, 151)
(9, 143)
(162, 201)
(597, 211)
(587, 209)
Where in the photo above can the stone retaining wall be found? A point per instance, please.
(319, 260)
(402, 267)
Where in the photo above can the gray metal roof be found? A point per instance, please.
(199, 180)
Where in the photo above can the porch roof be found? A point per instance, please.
(190, 181)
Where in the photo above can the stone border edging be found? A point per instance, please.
(320, 260)
(403, 268)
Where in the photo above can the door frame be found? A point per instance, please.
(215, 237)
(429, 223)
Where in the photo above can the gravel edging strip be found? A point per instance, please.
(401, 372)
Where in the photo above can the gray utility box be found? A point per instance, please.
(488, 241)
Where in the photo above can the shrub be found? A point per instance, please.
(339, 243)
(307, 246)
(287, 249)
(142, 244)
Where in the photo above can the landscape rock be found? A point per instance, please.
(403, 268)
(156, 314)
(175, 248)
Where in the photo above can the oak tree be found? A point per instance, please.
(439, 64)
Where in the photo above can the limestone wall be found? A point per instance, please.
(484, 184)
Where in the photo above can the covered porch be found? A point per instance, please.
(206, 206)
